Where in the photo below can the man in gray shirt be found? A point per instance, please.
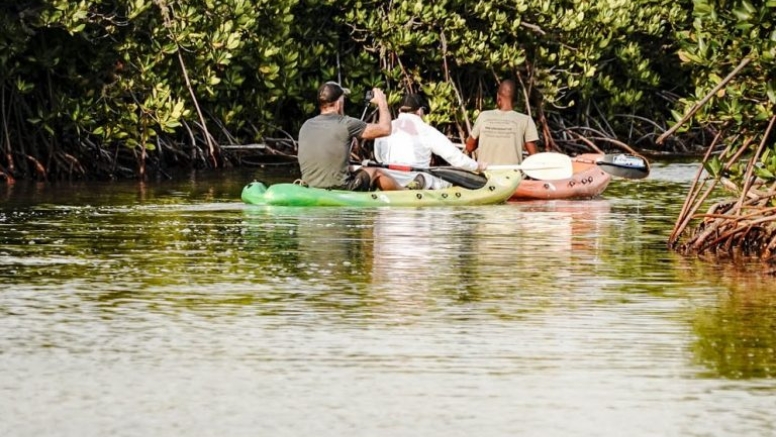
(325, 140)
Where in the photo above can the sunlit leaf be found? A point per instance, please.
(713, 166)
(763, 173)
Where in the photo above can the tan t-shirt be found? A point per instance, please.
(501, 136)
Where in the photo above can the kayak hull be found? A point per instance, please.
(501, 185)
(587, 181)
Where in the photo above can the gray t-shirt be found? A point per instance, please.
(324, 149)
(501, 136)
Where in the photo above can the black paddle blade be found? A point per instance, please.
(459, 177)
(624, 166)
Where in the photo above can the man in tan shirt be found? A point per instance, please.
(499, 135)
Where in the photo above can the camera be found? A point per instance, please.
(369, 95)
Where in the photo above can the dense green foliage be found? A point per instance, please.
(723, 34)
(107, 88)
(576, 60)
(98, 79)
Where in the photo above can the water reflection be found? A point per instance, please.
(544, 241)
(471, 252)
(404, 257)
(313, 243)
(421, 258)
(125, 298)
(736, 336)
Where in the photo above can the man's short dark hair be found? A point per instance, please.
(330, 92)
(412, 102)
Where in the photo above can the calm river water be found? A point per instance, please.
(172, 309)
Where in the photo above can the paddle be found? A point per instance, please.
(542, 166)
(456, 176)
(622, 165)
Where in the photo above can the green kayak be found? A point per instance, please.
(500, 186)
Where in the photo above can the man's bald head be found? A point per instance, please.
(507, 89)
(506, 94)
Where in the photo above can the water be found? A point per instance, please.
(173, 309)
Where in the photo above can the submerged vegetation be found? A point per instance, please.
(132, 88)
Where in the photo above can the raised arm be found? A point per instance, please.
(383, 126)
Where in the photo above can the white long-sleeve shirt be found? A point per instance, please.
(412, 142)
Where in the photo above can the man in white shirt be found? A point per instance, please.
(413, 141)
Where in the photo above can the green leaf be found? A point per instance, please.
(742, 14)
(677, 115)
(764, 173)
(770, 91)
(713, 166)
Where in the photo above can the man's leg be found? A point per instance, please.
(382, 180)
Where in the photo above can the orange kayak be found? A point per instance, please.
(587, 181)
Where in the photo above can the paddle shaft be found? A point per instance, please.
(456, 176)
(522, 167)
(539, 161)
(542, 166)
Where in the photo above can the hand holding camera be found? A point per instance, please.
(375, 96)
